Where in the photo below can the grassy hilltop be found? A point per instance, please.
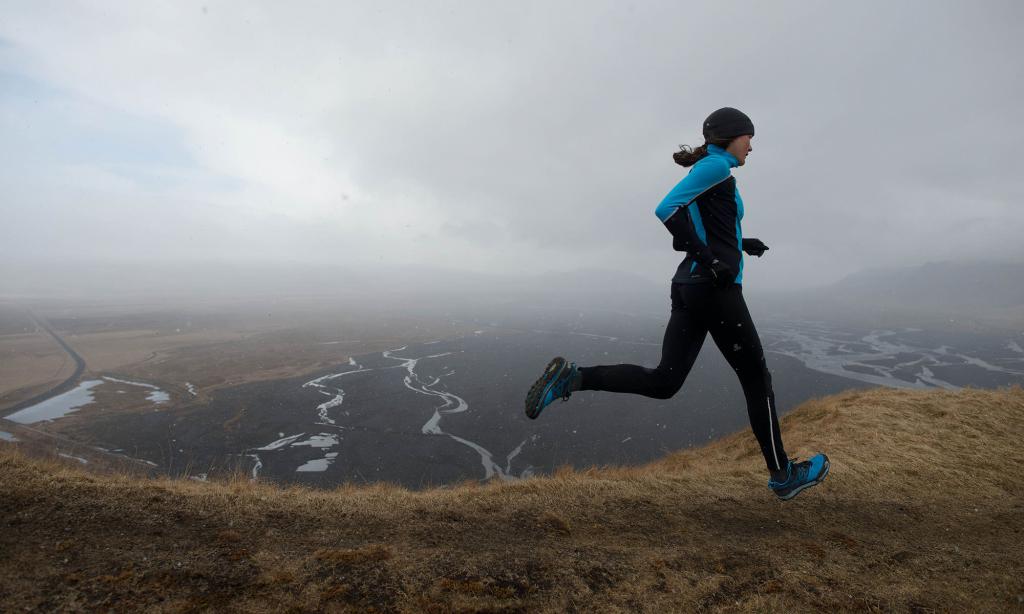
(923, 511)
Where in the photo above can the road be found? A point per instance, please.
(60, 388)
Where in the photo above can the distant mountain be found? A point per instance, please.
(970, 295)
(950, 284)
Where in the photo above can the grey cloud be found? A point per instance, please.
(547, 128)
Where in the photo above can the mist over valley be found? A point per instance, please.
(322, 375)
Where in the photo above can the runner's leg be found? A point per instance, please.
(683, 339)
(733, 332)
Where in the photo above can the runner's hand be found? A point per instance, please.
(722, 274)
(754, 247)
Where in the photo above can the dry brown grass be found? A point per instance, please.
(30, 363)
(111, 350)
(923, 511)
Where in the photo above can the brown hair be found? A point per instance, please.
(687, 156)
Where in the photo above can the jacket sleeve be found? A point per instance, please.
(674, 210)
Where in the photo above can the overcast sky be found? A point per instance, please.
(510, 137)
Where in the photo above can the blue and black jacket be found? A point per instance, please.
(703, 213)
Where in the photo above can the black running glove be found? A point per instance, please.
(754, 247)
(685, 239)
(721, 273)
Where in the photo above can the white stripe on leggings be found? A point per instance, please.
(772, 434)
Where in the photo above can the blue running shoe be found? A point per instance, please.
(800, 476)
(550, 386)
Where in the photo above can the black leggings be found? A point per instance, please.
(696, 310)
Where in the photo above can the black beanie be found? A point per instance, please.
(727, 123)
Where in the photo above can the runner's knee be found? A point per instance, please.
(666, 382)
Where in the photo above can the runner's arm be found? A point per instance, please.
(674, 210)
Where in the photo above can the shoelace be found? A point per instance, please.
(801, 469)
(795, 471)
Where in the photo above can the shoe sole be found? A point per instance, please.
(539, 387)
(796, 491)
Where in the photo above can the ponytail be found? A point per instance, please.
(687, 156)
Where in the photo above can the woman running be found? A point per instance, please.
(703, 214)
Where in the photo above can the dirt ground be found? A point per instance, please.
(923, 511)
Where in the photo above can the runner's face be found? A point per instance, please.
(740, 147)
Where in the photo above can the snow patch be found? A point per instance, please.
(280, 443)
(323, 440)
(58, 406)
(77, 458)
(157, 396)
(319, 464)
